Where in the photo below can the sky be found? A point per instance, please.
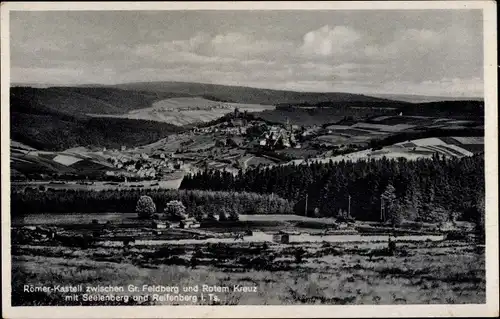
(421, 52)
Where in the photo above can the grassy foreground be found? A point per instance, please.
(450, 272)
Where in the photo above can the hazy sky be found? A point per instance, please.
(430, 52)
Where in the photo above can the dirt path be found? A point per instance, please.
(245, 162)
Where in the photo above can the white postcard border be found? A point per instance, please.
(491, 171)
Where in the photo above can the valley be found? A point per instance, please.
(261, 184)
(186, 110)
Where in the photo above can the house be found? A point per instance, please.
(189, 223)
(281, 237)
(160, 225)
(238, 122)
(220, 143)
(234, 142)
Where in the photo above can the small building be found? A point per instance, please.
(234, 142)
(159, 224)
(220, 143)
(128, 241)
(281, 237)
(189, 223)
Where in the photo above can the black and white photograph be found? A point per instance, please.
(238, 157)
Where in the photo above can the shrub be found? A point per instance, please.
(176, 210)
(222, 215)
(456, 235)
(234, 217)
(299, 254)
(145, 207)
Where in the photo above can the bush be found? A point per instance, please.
(176, 210)
(145, 207)
(222, 215)
(299, 254)
(234, 217)
(456, 235)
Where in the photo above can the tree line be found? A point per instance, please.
(428, 190)
(196, 202)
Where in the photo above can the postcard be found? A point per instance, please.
(249, 159)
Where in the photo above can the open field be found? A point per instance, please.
(174, 183)
(187, 110)
(336, 273)
(411, 150)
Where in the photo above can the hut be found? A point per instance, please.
(189, 223)
(281, 237)
(248, 232)
(159, 224)
(128, 241)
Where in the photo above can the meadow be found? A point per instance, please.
(187, 110)
(448, 272)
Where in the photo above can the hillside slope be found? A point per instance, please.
(58, 132)
(78, 100)
(187, 111)
(56, 118)
(239, 94)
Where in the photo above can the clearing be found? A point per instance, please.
(187, 110)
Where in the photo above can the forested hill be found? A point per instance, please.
(81, 100)
(454, 108)
(424, 190)
(239, 94)
(54, 119)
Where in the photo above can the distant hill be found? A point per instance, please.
(81, 100)
(453, 109)
(56, 118)
(239, 94)
(423, 98)
(58, 132)
(187, 111)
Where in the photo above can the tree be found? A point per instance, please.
(388, 198)
(222, 214)
(480, 221)
(199, 212)
(233, 216)
(397, 213)
(438, 215)
(175, 210)
(145, 207)
(316, 212)
(339, 214)
(299, 254)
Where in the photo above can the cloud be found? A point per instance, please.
(407, 42)
(226, 47)
(402, 56)
(62, 76)
(328, 41)
(454, 86)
